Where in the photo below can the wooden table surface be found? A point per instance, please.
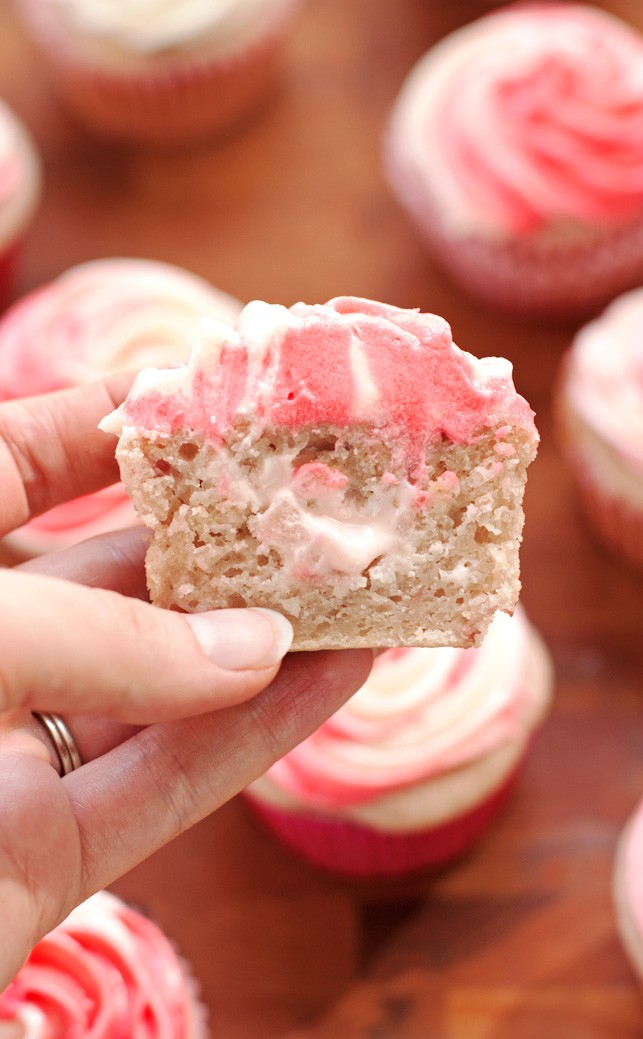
(517, 941)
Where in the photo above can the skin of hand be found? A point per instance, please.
(172, 714)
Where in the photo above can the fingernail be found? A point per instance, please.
(242, 640)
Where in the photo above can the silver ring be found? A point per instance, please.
(62, 739)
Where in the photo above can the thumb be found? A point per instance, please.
(68, 648)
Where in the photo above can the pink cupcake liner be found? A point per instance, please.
(183, 104)
(616, 524)
(182, 101)
(355, 850)
(529, 277)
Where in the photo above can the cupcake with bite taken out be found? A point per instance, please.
(20, 189)
(516, 146)
(343, 463)
(97, 318)
(105, 971)
(160, 72)
(412, 770)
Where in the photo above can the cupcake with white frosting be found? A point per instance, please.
(600, 421)
(516, 146)
(106, 971)
(160, 71)
(97, 318)
(628, 890)
(410, 772)
(20, 189)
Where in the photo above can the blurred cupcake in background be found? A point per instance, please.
(411, 771)
(628, 890)
(105, 971)
(516, 146)
(599, 406)
(20, 190)
(97, 318)
(160, 71)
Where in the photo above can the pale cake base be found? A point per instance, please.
(454, 561)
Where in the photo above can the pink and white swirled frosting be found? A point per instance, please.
(97, 318)
(528, 120)
(348, 362)
(106, 972)
(604, 378)
(430, 733)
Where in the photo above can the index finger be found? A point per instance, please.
(51, 449)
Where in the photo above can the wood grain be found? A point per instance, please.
(518, 940)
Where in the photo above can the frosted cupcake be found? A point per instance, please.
(411, 771)
(600, 420)
(160, 71)
(20, 188)
(106, 971)
(628, 890)
(516, 145)
(97, 318)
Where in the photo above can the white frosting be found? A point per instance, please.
(152, 27)
(307, 520)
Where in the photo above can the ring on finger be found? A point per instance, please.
(63, 742)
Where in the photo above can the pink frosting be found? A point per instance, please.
(348, 362)
(529, 117)
(420, 714)
(105, 973)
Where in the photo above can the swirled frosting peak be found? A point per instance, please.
(97, 318)
(528, 119)
(421, 714)
(106, 972)
(604, 376)
(101, 317)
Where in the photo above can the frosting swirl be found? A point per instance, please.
(106, 972)
(423, 714)
(604, 377)
(97, 318)
(529, 119)
(347, 362)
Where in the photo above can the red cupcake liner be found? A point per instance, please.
(530, 277)
(355, 850)
(9, 263)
